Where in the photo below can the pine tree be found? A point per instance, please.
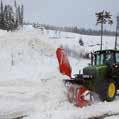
(11, 18)
(19, 13)
(22, 14)
(15, 4)
(1, 16)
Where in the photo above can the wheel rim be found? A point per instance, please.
(111, 90)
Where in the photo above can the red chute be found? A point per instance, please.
(64, 65)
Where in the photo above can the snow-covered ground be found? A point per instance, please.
(30, 82)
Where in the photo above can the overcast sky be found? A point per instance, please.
(67, 12)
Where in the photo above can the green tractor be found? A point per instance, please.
(101, 76)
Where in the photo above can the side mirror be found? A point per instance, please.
(89, 64)
(79, 71)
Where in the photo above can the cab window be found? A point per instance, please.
(117, 57)
(99, 59)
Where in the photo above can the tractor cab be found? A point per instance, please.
(102, 76)
(103, 57)
(109, 58)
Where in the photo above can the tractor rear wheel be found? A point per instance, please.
(107, 90)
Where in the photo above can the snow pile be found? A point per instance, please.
(28, 74)
(24, 53)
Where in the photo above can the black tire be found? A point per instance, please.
(107, 90)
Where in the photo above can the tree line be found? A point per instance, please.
(11, 17)
(75, 29)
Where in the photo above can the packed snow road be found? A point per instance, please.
(42, 99)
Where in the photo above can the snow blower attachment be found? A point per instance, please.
(76, 93)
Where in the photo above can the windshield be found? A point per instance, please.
(117, 57)
(104, 58)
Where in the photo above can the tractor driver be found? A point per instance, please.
(108, 58)
(108, 61)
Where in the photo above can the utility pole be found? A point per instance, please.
(117, 27)
(101, 35)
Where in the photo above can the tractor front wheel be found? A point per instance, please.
(107, 90)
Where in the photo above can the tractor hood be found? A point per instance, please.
(95, 71)
(94, 75)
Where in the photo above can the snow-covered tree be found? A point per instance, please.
(11, 17)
